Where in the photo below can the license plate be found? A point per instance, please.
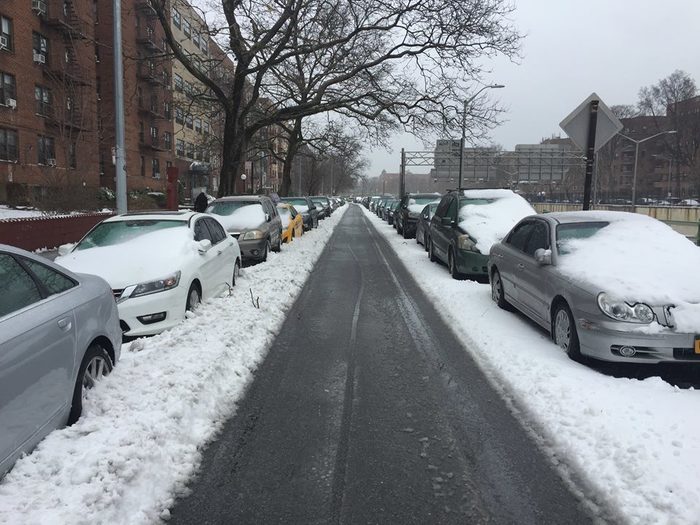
(697, 345)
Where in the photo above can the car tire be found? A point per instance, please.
(236, 272)
(267, 250)
(278, 248)
(426, 241)
(431, 252)
(405, 234)
(564, 331)
(452, 265)
(194, 298)
(497, 293)
(96, 364)
(399, 230)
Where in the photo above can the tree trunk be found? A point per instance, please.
(233, 157)
(292, 148)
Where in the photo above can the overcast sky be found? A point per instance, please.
(573, 48)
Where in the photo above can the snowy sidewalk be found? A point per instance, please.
(143, 429)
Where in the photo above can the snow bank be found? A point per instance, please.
(11, 213)
(243, 218)
(639, 259)
(487, 224)
(631, 445)
(144, 427)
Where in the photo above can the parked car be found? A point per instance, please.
(59, 334)
(372, 203)
(292, 223)
(614, 286)
(467, 223)
(158, 264)
(423, 225)
(409, 211)
(380, 205)
(308, 210)
(386, 208)
(324, 206)
(393, 210)
(253, 221)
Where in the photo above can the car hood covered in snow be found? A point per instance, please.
(145, 258)
(639, 259)
(244, 218)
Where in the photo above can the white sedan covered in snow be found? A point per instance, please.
(159, 264)
(610, 285)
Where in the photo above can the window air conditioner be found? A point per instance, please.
(51, 162)
(4, 43)
(11, 103)
(39, 6)
(39, 58)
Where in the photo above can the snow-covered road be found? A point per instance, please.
(144, 427)
(632, 445)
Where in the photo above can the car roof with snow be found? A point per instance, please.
(593, 215)
(159, 215)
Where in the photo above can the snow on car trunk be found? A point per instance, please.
(639, 259)
(143, 428)
(631, 446)
(492, 215)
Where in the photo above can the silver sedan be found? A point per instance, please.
(59, 334)
(583, 319)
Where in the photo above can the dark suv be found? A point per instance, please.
(254, 221)
(409, 211)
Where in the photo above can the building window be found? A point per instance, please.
(72, 157)
(198, 125)
(177, 19)
(180, 148)
(190, 150)
(40, 45)
(167, 140)
(195, 39)
(7, 88)
(167, 113)
(204, 45)
(46, 151)
(8, 144)
(179, 115)
(205, 127)
(206, 156)
(186, 28)
(42, 95)
(188, 88)
(179, 85)
(188, 121)
(155, 168)
(154, 134)
(143, 166)
(6, 33)
(200, 153)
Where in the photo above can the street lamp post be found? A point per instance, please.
(464, 126)
(636, 155)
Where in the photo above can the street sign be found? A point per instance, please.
(577, 123)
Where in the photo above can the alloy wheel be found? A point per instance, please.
(97, 368)
(562, 330)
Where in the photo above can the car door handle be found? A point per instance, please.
(65, 324)
(521, 266)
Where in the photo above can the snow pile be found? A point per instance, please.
(11, 213)
(639, 259)
(487, 224)
(143, 428)
(632, 447)
(243, 218)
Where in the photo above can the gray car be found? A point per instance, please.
(582, 317)
(59, 333)
(308, 210)
(254, 221)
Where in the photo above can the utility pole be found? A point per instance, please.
(119, 151)
(402, 174)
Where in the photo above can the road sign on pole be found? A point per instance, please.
(590, 126)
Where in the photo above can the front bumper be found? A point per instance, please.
(172, 302)
(252, 249)
(601, 340)
(473, 264)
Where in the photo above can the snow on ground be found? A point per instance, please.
(11, 213)
(632, 444)
(143, 429)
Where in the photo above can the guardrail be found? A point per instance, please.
(35, 233)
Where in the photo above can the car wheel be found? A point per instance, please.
(564, 331)
(95, 365)
(497, 291)
(194, 298)
(405, 234)
(267, 250)
(236, 272)
(431, 252)
(399, 230)
(452, 265)
(426, 241)
(278, 248)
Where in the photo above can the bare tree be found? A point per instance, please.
(410, 62)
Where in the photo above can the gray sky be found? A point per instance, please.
(632, 43)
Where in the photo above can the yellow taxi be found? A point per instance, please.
(292, 221)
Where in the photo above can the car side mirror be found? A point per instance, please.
(204, 246)
(65, 249)
(267, 217)
(543, 257)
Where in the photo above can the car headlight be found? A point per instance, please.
(252, 234)
(159, 285)
(623, 311)
(464, 242)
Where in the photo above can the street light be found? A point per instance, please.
(464, 126)
(636, 154)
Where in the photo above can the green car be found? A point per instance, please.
(467, 223)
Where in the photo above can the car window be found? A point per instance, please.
(17, 288)
(441, 210)
(201, 231)
(215, 230)
(452, 209)
(539, 238)
(55, 282)
(518, 237)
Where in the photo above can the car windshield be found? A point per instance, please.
(228, 207)
(320, 202)
(110, 233)
(576, 230)
(297, 202)
(421, 200)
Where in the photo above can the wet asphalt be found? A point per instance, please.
(369, 410)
